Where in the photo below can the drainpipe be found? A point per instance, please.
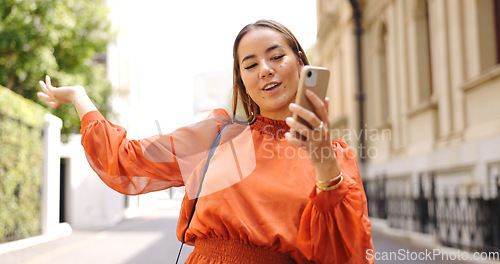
(360, 95)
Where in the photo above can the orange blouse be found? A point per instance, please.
(258, 189)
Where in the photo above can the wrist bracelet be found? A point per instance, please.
(331, 188)
(330, 180)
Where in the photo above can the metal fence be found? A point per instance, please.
(458, 217)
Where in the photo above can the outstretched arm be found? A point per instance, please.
(57, 96)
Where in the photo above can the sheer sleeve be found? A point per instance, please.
(334, 226)
(139, 166)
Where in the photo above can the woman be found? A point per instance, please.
(281, 201)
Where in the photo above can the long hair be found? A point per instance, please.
(249, 106)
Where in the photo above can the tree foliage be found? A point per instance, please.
(61, 38)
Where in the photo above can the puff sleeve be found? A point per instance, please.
(139, 166)
(334, 227)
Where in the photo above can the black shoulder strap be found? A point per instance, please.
(210, 154)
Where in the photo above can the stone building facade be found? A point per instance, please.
(431, 85)
(426, 117)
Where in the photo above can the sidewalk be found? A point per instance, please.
(413, 247)
(149, 238)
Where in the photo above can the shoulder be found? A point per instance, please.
(219, 115)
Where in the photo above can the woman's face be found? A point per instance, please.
(269, 70)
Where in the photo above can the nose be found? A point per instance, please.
(266, 71)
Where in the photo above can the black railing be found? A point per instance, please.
(458, 217)
(375, 193)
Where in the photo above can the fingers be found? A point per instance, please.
(46, 93)
(317, 119)
(297, 126)
(48, 100)
(327, 105)
(47, 85)
(315, 139)
(53, 104)
(44, 87)
(47, 81)
(308, 116)
(43, 96)
(319, 105)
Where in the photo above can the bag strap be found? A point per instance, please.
(209, 157)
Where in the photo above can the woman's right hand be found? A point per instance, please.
(56, 97)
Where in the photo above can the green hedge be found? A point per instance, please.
(21, 158)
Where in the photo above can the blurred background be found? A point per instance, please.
(414, 88)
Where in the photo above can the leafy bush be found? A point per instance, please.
(21, 159)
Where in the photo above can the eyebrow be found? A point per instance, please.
(267, 50)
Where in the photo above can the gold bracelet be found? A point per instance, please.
(330, 180)
(331, 188)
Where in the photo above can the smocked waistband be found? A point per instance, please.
(233, 251)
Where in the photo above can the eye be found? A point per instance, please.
(251, 66)
(277, 57)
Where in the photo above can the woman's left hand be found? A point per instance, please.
(316, 141)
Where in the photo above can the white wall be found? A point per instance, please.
(50, 183)
(90, 204)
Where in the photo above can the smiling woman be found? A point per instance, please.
(266, 46)
(270, 73)
(261, 194)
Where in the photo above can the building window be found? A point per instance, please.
(419, 36)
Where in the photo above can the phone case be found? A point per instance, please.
(316, 80)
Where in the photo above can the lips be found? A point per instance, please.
(270, 86)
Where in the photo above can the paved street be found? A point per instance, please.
(150, 239)
(145, 239)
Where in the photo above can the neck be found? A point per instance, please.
(277, 115)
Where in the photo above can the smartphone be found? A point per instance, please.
(316, 80)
